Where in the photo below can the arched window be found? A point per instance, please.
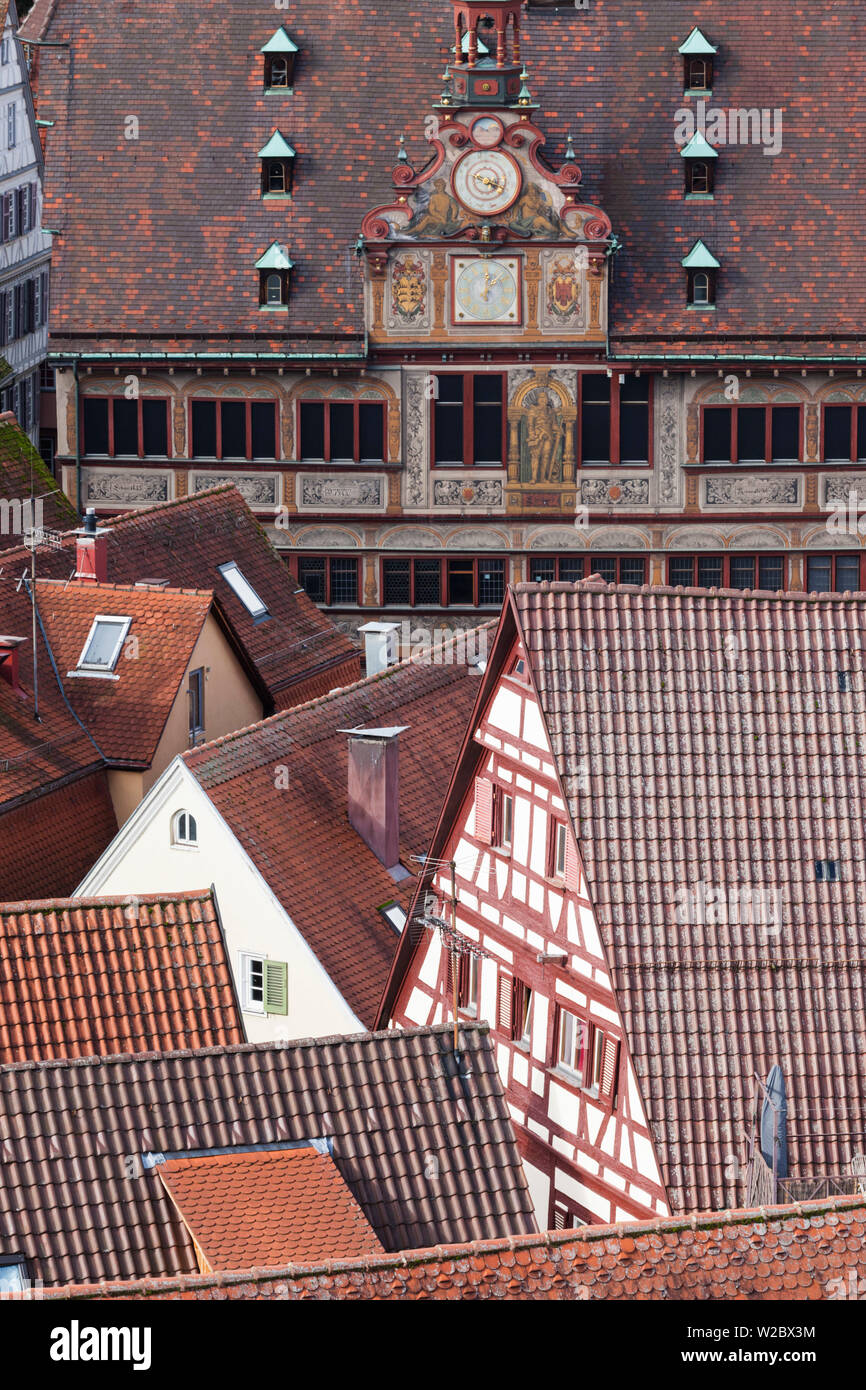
(184, 830)
(279, 73)
(274, 289)
(275, 173)
(699, 177)
(698, 75)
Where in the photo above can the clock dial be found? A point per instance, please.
(487, 182)
(487, 131)
(486, 291)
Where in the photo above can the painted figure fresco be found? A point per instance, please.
(542, 440)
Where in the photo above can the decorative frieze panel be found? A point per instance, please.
(486, 492)
(260, 491)
(752, 491)
(618, 492)
(106, 487)
(838, 491)
(356, 494)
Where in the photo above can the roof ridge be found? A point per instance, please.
(52, 905)
(591, 585)
(394, 1035)
(193, 754)
(136, 588)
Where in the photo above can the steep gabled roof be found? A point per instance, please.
(50, 842)
(814, 1250)
(705, 747)
(183, 248)
(126, 714)
(422, 1140)
(298, 651)
(262, 1208)
(99, 976)
(23, 474)
(328, 880)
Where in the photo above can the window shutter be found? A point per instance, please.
(483, 810)
(32, 205)
(572, 869)
(276, 987)
(559, 1217)
(609, 1068)
(506, 999)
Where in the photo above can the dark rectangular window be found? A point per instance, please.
(371, 430)
(461, 582)
(154, 428)
(196, 704)
(411, 583)
(728, 572)
(751, 434)
(618, 569)
(717, 434)
(125, 427)
(491, 582)
(468, 419)
(233, 421)
(785, 436)
(742, 572)
(827, 574)
(343, 581)
(428, 582)
(204, 429)
(311, 577)
(837, 432)
(342, 431)
(542, 569)
(848, 574)
(771, 572)
(681, 571)
(861, 433)
(95, 415)
(397, 582)
(595, 418)
(634, 414)
(263, 418)
(632, 570)
(312, 430)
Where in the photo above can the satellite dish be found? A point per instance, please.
(774, 1123)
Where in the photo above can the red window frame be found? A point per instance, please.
(553, 871)
(139, 402)
(501, 797)
(328, 601)
(444, 561)
(356, 428)
(469, 422)
(615, 408)
(726, 557)
(768, 432)
(464, 962)
(247, 403)
(834, 557)
(602, 1058)
(853, 406)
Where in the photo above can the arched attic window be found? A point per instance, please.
(698, 55)
(699, 161)
(701, 269)
(184, 831)
(280, 53)
(277, 158)
(275, 268)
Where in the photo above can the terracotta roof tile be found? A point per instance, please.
(249, 1210)
(560, 1265)
(95, 977)
(421, 1171)
(76, 822)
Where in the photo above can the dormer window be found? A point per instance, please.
(277, 158)
(280, 53)
(274, 268)
(102, 648)
(699, 160)
(698, 54)
(701, 268)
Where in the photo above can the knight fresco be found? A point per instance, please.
(542, 439)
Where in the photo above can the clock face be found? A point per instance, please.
(486, 290)
(487, 131)
(487, 181)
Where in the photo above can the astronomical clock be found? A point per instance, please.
(488, 249)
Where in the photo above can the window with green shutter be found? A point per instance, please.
(276, 983)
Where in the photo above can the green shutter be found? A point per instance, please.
(276, 987)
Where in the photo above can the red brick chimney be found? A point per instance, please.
(374, 790)
(9, 661)
(91, 552)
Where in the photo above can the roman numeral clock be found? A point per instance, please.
(486, 289)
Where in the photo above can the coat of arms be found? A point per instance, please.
(563, 288)
(408, 288)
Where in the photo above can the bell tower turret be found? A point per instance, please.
(485, 69)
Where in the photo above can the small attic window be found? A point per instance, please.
(698, 55)
(699, 161)
(102, 648)
(280, 53)
(701, 268)
(277, 158)
(827, 870)
(244, 590)
(274, 268)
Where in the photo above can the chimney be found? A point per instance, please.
(91, 552)
(9, 661)
(381, 646)
(374, 791)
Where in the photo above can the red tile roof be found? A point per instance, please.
(296, 836)
(395, 1108)
(185, 542)
(51, 841)
(96, 977)
(611, 76)
(126, 716)
(810, 1251)
(265, 1208)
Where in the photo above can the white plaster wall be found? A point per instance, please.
(142, 860)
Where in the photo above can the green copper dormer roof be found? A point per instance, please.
(701, 258)
(697, 148)
(280, 43)
(275, 258)
(277, 147)
(697, 46)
